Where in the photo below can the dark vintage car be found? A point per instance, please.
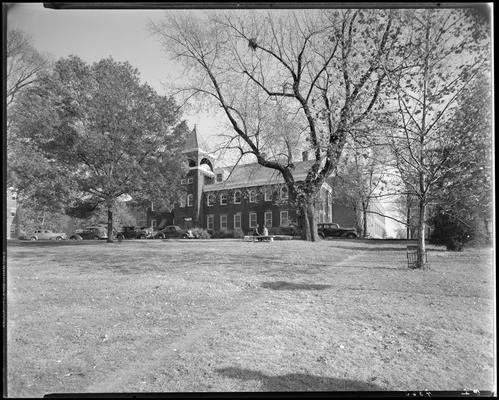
(133, 232)
(89, 233)
(173, 231)
(334, 230)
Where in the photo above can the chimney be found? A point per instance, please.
(304, 155)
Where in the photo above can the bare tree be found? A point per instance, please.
(361, 177)
(24, 63)
(320, 69)
(441, 52)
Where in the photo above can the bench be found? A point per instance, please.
(267, 238)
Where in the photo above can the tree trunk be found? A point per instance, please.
(421, 260)
(408, 220)
(314, 235)
(364, 221)
(110, 224)
(305, 224)
(309, 222)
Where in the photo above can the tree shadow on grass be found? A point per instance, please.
(281, 285)
(382, 248)
(296, 382)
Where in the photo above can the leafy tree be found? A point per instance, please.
(107, 135)
(440, 52)
(320, 71)
(463, 198)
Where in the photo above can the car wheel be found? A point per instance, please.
(184, 236)
(142, 237)
(161, 236)
(96, 237)
(33, 238)
(351, 236)
(58, 238)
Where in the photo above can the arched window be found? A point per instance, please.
(206, 164)
(237, 197)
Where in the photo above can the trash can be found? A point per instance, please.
(412, 256)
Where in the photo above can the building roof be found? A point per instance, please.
(191, 142)
(254, 174)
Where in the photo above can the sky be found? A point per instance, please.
(96, 34)
(121, 34)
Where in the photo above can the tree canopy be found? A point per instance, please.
(107, 135)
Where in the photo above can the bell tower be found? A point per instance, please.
(201, 165)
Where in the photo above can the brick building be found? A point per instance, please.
(240, 197)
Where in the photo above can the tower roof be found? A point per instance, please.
(192, 141)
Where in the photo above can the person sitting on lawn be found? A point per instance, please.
(265, 231)
(256, 232)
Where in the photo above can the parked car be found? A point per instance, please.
(334, 230)
(45, 234)
(133, 232)
(89, 233)
(173, 231)
(290, 230)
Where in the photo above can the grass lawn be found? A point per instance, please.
(226, 315)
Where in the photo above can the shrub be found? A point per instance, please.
(201, 233)
(227, 233)
(291, 230)
(450, 232)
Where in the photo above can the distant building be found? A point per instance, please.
(12, 217)
(239, 197)
(346, 216)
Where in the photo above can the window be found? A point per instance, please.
(190, 199)
(12, 212)
(223, 221)
(183, 181)
(252, 220)
(284, 218)
(211, 200)
(210, 221)
(284, 193)
(268, 195)
(153, 224)
(190, 180)
(252, 196)
(237, 221)
(268, 219)
(182, 201)
(219, 177)
(237, 197)
(223, 199)
(14, 196)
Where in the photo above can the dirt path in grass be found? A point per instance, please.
(120, 379)
(242, 305)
